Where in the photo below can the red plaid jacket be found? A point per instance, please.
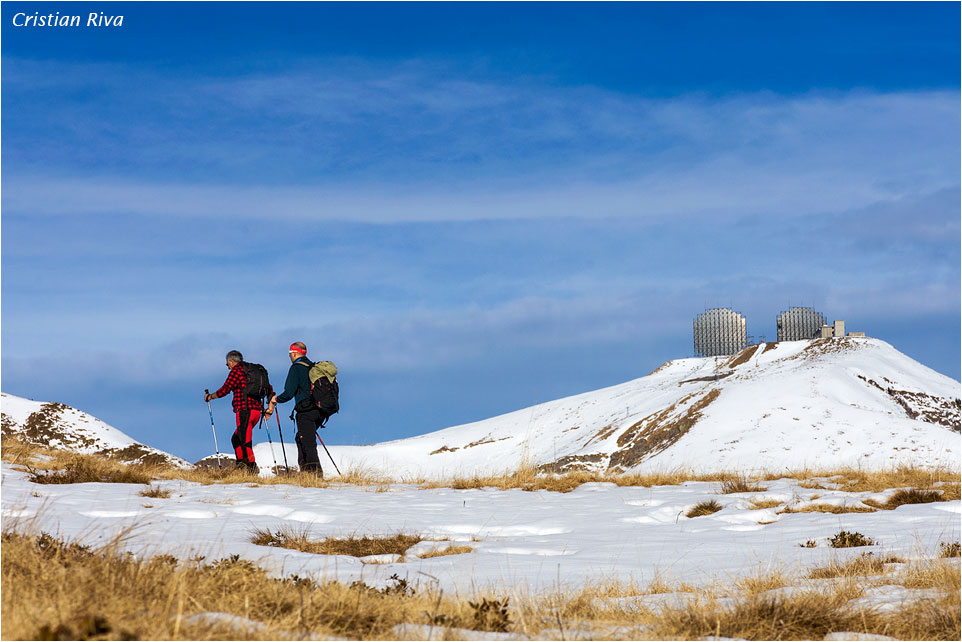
(236, 380)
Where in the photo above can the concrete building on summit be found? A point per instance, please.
(719, 331)
(799, 323)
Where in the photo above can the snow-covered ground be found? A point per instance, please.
(520, 540)
(819, 404)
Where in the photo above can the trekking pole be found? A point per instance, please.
(211, 413)
(281, 433)
(267, 425)
(328, 452)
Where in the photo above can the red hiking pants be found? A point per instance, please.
(243, 438)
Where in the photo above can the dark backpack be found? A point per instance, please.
(324, 388)
(258, 385)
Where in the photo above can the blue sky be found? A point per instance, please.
(471, 208)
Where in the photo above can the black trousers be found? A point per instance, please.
(307, 424)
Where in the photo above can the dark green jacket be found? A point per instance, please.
(298, 385)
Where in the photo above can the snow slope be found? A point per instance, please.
(59, 426)
(824, 403)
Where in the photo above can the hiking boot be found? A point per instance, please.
(313, 469)
(253, 469)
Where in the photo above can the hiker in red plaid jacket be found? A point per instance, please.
(247, 410)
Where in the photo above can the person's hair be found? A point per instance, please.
(235, 356)
(300, 345)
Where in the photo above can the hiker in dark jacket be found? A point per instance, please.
(247, 410)
(308, 418)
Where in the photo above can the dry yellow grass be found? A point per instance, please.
(863, 564)
(57, 591)
(526, 477)
(155, 492)
(300, 540)
(77, 469)
(762, 582)
(49, 465)
(950, 549)
(450, 550)
(931, 573)
(757, 614)
(704, 508)
(759, 504)
(827, 508)
(853, 480)
(738, 484)
(905, 496)
(806, 616)
(53, 590)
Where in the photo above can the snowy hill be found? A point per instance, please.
(823, 403)
(59, 426)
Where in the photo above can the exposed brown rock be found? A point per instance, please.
(709, 378)
(136, 453)
(742, 357)
(924, 407)
(572, 463)
(602, 434)
(659, 431)
(660, 368)
(481, 442)
(444, 449)
(47, 428)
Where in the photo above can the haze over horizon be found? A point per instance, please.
(470, 208)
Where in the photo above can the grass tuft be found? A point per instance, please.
(154, 491)
(864, 564)
(844, 539)
(805, 616)
(704, 508)
(300, 540)
(931, 573)
(78, 469)
(740, 484)
(450, 550)
(759, 504)
(949, 549)
(765, 582)
(491, 615)
(827, 508)
(911, 496)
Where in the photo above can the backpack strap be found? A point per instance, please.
(304, 361)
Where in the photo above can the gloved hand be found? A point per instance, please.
(209, 396)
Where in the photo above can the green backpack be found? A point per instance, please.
(324, 389)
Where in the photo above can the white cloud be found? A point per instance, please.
(419, 142)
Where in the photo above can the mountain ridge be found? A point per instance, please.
(834, 402)
(57, 425)
(819, 404)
